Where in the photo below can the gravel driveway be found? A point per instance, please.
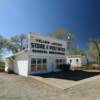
(13, 87)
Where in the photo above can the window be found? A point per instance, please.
(44, 64)
(63, 61)
(47, 42)
(39, 61)
(39, 67)
(38, 64)
(32, 45)
(33, 61)
(33, 64)
(47, 47)
(44, 61)
(33, 67)
(77, 60)
(59, 62)
(70, 61)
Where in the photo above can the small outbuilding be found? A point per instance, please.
(76, 60)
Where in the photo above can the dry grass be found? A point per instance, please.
(92, 67)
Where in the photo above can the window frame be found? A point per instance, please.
(39, 65)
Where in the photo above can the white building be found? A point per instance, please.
(76, 60)
(43, 55)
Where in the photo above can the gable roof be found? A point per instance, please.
(75, 56)
(19, 53)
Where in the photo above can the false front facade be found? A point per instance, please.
(43, 55)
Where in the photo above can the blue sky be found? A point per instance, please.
(44, 16)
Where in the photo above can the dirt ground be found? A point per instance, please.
(14, 87)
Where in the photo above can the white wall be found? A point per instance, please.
(84, 61)
(8, 65)
(36, 56)
(51, 62)
(21, 65)
(74, 63)
(81, 61)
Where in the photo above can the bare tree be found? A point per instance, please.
(94, 46)
(18, 43)
(77, 51)
(63, 34)
(3, 44)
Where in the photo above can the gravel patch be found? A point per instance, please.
(89, 90)
(14, 87)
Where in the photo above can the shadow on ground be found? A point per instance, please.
(70, 75)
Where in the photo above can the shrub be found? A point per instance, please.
(2, 66)
(2, 63)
